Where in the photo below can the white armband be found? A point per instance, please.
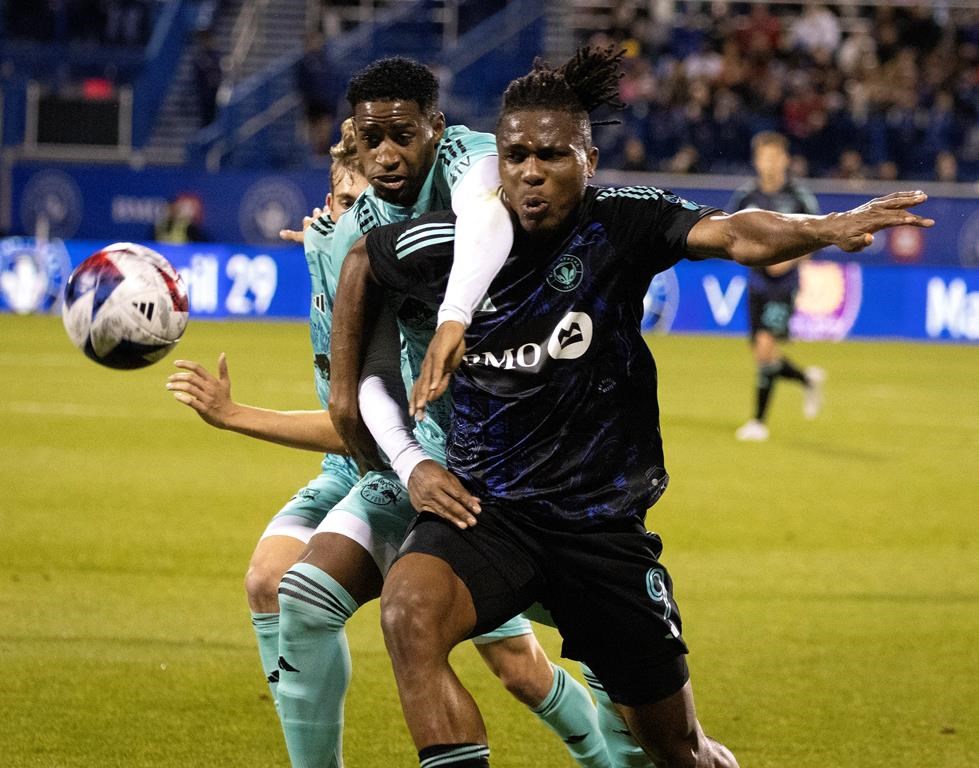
(383, 400)
(483, 239)
(389, 423)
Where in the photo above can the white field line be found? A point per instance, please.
(36, 360)
(80, 410)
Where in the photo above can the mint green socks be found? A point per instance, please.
(569, 712)
(314, 665)
(266, 626)
(623, 750)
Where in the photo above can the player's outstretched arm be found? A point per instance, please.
(210, 397)
(760, 238)
(357, 306)
(297, 235)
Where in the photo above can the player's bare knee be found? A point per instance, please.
(525, 682)
(409, 621)
(262, 587)
(522, 668)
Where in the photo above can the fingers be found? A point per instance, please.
(901, 199)
(291, 235)
(191, 386)
(443, 503)
(920, 221)
(296, 236)
(186, 400)
(434, 489)
(442, 357)
(223, 367)
(194, 386)
(439, 389)
(902, 193)
(419, 391)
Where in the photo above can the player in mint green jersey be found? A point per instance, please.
(414, 164)
(356, 537)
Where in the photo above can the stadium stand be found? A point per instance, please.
(863, 90)
(869, 90)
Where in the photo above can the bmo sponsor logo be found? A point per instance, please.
(127, 209)
(952, 309)
(572, 337)
(569, 340)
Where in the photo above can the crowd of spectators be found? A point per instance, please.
(99, 22)
(879, 92)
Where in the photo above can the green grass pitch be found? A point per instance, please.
(827, 578)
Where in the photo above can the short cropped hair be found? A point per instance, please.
(769, 139)
(395, 78)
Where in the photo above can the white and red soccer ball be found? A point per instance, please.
(125, 306)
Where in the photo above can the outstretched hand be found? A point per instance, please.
(854, 230)
(296, 236)
(195, 387)
(432, 488)
(443, 356)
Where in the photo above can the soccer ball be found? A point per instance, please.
(125, 306)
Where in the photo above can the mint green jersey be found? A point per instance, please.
(316, 245)
(458, 149)
(317, 240)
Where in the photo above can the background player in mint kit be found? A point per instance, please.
(555, 430)
(414, 164)
(772, 289)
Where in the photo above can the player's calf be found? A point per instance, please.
(671, 734)
(426, 610)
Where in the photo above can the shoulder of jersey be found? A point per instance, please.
(365, 212)
(323, 225)
(459, 139)
(319, 233)
(629, 193)
(420, 235)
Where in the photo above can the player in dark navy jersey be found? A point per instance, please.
(559, 355)
(560, 325)
(772, 289)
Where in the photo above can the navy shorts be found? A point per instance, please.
(771, 312)
(610, 597)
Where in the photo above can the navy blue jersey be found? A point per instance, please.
(791, 198)
(555, 401)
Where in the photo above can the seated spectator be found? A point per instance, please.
(686, 160)
(946, 167)
(634, 155)
(850, 166)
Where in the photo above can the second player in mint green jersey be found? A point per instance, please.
(413, 164)
(458, 151)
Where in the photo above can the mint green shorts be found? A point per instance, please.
(374, 511)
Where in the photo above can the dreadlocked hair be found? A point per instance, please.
(589, 80)
(395, 78)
